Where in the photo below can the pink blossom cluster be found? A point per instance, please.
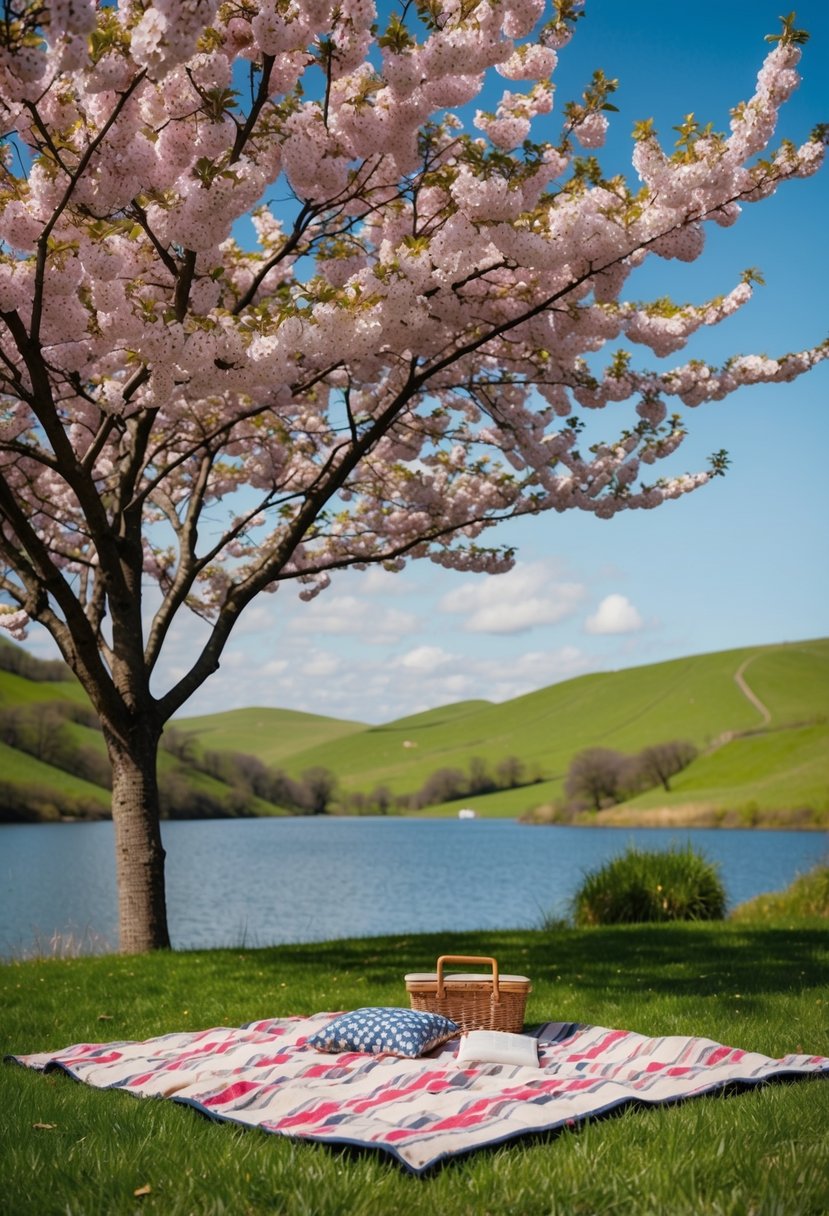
(512, 121)
(591, 130)
(166, 34)
(381, 370)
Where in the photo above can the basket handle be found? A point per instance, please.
(467, 958)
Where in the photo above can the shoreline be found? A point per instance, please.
(690, 816)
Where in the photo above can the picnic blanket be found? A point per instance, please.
(420, 1111)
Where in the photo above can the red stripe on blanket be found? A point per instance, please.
(238, 1090)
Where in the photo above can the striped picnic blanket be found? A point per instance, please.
(419, 1111)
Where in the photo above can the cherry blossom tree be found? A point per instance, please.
(206, 395)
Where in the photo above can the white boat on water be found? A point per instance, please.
(466, 812)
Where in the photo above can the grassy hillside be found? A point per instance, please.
(695, 698)
(17, 690)
(37, 787)
(271, 734)
(774, 778)
(782, 767)
(767, 758)
(50, 791)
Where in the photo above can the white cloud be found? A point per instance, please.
(501, 679)
(320, 663)
(366, 685)
(425, 658)
(524, 598)
(347, 615)
(259, 616)
(615, 614)
(377, 581)
(429, 676)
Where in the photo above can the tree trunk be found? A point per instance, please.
(139, 854)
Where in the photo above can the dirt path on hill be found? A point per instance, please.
(748, 694)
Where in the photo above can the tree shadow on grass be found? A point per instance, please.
(672, 959)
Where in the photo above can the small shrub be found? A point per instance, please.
(678, 884)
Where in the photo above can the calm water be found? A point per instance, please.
(264, 881)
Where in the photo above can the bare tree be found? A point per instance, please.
(596, 776)
(320, 784)
(662, 761)
(510, 772)
(481, 780)
(382, 799)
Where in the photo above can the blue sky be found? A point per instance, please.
(743, 561)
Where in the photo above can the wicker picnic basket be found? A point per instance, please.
(475, 1002)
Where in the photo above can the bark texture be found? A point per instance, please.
(139, 853)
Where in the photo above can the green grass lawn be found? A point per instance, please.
(71, 1150)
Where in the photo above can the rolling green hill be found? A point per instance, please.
(778, 768)
(694, 698)
(757, 715)
(18, 690)
(271, 734)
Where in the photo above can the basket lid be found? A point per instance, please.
(465, 977)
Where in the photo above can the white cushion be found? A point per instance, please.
(498, 1047)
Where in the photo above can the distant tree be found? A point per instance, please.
(283, 791)
(180, 744)
(47, 735)
(251, 774)
(180, 799)
(481, 780)
(238, 802)
(216, 764)
(39, 729)
(84, 715)
(90, 764)
(661, 761)
(37, 803)
(357, 802)
(319, 785)
(176, 795)
(11, 724)
(510, 772)
(444, 785)
(382, 799)
(16, 659)
(597, 776)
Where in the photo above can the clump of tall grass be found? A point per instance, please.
(641, 886)
(807, 896)
(72, 943)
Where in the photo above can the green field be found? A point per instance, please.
(694, 698)
(274, 735)
(19, 769)
(781, 768)
(68, 1150)
(771, 761)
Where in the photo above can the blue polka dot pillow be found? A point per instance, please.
(378, 1031)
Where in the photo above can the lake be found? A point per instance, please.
(258, 882)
